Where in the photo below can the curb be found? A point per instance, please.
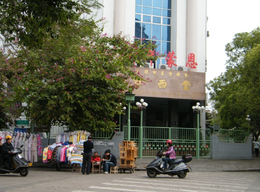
(245, 170)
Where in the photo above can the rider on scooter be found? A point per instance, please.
(6, 151)
(170, 154)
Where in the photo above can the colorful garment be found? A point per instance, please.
(39, 145)
(63, 154)
(49, 154)
(44, 156)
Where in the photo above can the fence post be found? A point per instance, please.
(198, 136)
(129, 123)
(170, 133)
(141, 136)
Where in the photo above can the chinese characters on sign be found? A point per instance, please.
(171, 84)
(170, 59)
(191, 61)
(162, 83)
(186, 85)
(151, 53)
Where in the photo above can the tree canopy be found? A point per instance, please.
(29, 21)
(78, 79)
(235, 93)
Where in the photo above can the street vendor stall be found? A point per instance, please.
(66, 151)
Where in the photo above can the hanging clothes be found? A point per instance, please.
(16, 140)
(49, 154)
(39, 145)
(34, 156)
(23, 141)
(44, 156)
(58, 154)
(30, 148)
(63, 154)
(26, 144)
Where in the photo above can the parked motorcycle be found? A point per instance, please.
(178, 167)
(20, 164)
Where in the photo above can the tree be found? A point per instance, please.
(30, 21)
(6, 112)
(77, 81)
(235, 92)
(25, 24)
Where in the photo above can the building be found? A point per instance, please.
(179, 29)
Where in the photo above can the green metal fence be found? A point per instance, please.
(232, 136)
(184, 140)
(104, 134)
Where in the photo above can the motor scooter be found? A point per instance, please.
(178, 167)
(20, 164)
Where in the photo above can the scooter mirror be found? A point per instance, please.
(21, 146)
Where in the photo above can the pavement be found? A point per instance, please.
(200, 165)
(213, 165)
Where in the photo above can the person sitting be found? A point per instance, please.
(95, 158)
(170, 154)
(108, 159)
(7, 147)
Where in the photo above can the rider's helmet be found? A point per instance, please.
(169, 142)
(8, 137)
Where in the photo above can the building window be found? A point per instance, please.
(153, 22)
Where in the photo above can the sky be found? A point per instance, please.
(225, 19)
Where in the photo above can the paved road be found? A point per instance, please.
(48, 179)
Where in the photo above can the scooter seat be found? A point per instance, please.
(177, 161)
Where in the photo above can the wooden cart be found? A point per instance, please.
(128, 154)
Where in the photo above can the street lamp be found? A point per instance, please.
(120, 116)
(197, 109)
(248, 118)
(129, 97)
(142, 105)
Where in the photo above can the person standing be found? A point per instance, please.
(88, 146)
(7, 147)
(256, 146)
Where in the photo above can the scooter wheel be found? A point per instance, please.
(151, 173)
(24, 172)
(182, 174)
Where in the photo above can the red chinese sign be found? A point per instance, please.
(170, 59)
(191, 61)
(151, 53)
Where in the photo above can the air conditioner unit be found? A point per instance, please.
(164, 66)
(149, 65)
(182, 68)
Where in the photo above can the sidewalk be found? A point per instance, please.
(210, 165)
(198, 165)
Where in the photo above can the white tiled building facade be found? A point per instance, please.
(175, 25)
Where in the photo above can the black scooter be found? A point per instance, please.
(178, 167)
(21, 165)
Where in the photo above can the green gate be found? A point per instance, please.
(184, 140)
